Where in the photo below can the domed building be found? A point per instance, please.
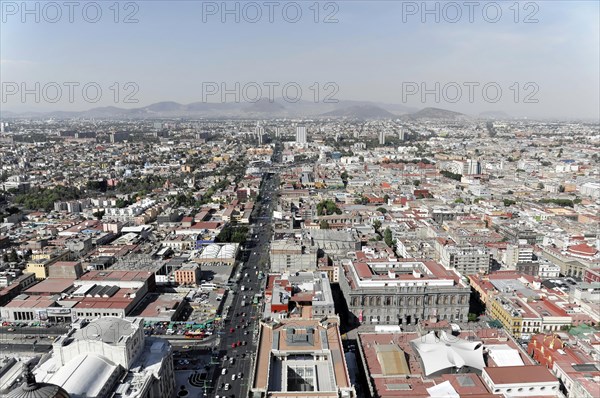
(31, 389)
(109, 355)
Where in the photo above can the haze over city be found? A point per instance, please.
(369, 50)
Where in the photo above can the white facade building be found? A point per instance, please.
(301, 135)
(110, 356)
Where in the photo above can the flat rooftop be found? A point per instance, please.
(395, 368)
(298, 339)
(51, 286)
(108, 275)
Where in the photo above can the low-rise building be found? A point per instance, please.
(521, 381)
(300, 357)
(188, 274)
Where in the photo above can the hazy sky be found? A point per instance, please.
(376, 51)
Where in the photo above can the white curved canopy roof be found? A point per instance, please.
(447, 351)
(85, 375)
(210, 251)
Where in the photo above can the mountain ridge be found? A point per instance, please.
(263, 108)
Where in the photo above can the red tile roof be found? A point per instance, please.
(520, 374)
(583, 249)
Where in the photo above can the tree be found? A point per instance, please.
(377, 225)
(5, 258)
(324, 224)
(386, 197)
(344, 177)
(235, 234)
(121, 203)
(99, 214)
(13, 257)
(416, 183)
(540, 185)
(471, 317)
(327, 207)
(387, 236)
(451, 175)
(382, 210)
(362, 200)
(561, 188)
(12, 210)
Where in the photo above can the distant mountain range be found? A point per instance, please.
(263, 108)
(361, 112)
(437, 114)
(495, 115)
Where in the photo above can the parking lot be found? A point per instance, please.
(205, 306)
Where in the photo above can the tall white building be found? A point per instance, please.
(382, 137)
(301, 135)
(259, 131)
(471, 167)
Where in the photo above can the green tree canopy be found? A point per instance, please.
(327, 207)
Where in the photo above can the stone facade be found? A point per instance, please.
(406, 305)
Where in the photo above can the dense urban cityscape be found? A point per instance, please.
(332, 257)
(299, 199)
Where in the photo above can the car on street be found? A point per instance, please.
(227, 386)
(224, 371)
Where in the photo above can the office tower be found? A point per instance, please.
(259, 131)
(472, 167)
(301, 135)
(382, 137)
(401, 135)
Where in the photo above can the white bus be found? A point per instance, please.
(208, 286)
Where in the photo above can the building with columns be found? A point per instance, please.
(403, 292)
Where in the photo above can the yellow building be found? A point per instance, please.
(40, 263)
(39, 269)
(503, 310)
